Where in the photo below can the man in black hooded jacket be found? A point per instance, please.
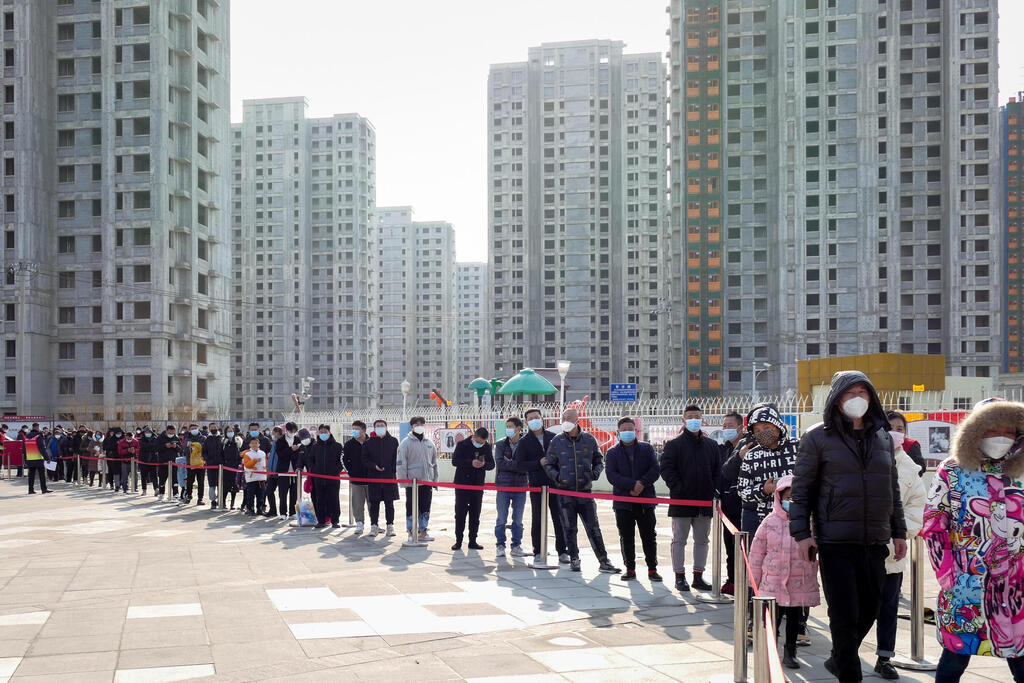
(845, 480)
(323, 456)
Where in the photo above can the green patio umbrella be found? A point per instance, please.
(480, 386)
(528, 382)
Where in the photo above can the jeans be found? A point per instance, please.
(852, 577)
(952, 666)
(518, 503)
(628, 521)
(572, 508)
(556, 520)
(357, 497)
(425, 495)
(885, 630)
(125, 476)
(467, 503)
(681, 534)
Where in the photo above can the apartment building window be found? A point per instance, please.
(66, 280)
(66, 386)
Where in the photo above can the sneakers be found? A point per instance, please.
(500, 552)
(335, 525)
(699, 583)
(803, 640)
(538, 559)
(391, 530)
(885, 669)
(729, 589)
(654, 576)
(518, 551)
(359, 528)
(574, 564)
(629, 575)
(607, 567)
(681, 584)
(319, 525)
(374, 529)
(563, 558)
(426, 537)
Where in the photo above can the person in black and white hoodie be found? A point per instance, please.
(771, 458)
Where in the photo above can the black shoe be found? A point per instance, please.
(789, 657)
(681, 584)
(47, 490)
(31, 491)
(607, 567)
(321, 525)
(830, 666)
(457, 545)
(699, 583)
(629, 575)
(473, 545)
(574, 564)
(335, 525)
(885, 669)
(654, 576)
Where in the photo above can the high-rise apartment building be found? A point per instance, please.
(417, 312)
(304, 290)
(115, 181)
(1013, 277)
(858, 211)
(576, 182)
(471, 328)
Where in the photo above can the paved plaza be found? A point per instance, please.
(102, 587)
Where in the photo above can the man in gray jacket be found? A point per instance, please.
(417, 459)
(573, 462)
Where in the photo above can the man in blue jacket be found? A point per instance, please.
(632, 468)
(573, 462)
(531, 451)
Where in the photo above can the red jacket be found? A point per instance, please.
(127, 443)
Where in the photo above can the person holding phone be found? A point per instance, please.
(472, 459)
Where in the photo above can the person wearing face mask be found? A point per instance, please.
(231, 454)
(690, 468)
(269, 507)
(508, 473)
(110, 457)
(193, 448)
(254, 460)
(771, 458)
(973, 526)
(148, 454)
(417, 459)
(472, 459)
(290, 453)
(127, 449)
(728, 496)
(380, 455)
(574, 462)
(353, 462)
(532, 448)
(324, 458)
(631, 467)
(168, 448)
(846, 502)
(912, 497)
(213, 456)
(898, 423)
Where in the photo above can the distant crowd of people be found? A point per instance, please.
(839, 502)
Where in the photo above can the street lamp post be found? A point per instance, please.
(753, 379)
(563, 370)
(405, 394)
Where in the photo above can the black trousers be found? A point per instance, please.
(287, 489)
(852, 577)
(572, 509)
(193, 477)
(952, 666)
(628, 521)
(325, 502)
(255, 492)
(556, 520)
(794, 620)
(389, 511)
(271, 498)
(467, 503)
(34, 471)
(885, 631)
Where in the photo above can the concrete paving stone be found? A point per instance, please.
(526, 678)
(35, 618)
(135, 640)
(8, 665)
(163, 674)
(244, 632)
(52, 664)
(170, 624)
(340, 646)
(634, 675)
(233, 657)
(84, 642)
(582, 659)
(483, 661)
(15, 646)
(76, 677)
(419, 667)
(667, 653)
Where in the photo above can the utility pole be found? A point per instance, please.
(22, 272)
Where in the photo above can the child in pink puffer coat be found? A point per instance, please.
(778, 570)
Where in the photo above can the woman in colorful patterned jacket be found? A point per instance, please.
(974, 527)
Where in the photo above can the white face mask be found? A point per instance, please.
(568, 426)
(996, 447)
(855, 407)
(897, 438)
(380, 431)
(419, 429)
(306, 442)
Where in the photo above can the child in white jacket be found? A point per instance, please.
(912, 494)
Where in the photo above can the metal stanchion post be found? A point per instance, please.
(298, 500)
(135, 475)
(917, 660)
(104, 467)
(169, 491)
(78, 469)
(220, 486)
(739, 625)
(764, 609)
(351, 520)
(716, 596)
(542, 553)
(415, 541)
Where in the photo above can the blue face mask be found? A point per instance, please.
(324, 437)
(254, 433)
(627, 437)
(510, 432)
(693, 425)
(149, 435)
(535, 424)
(785, 505)
(477, 444)
(229, 434)
(356, 433)
(194, 432)
(728, 434)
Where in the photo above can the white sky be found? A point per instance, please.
(418, 70)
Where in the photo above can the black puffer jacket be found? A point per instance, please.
(849, 485)
(690, 467)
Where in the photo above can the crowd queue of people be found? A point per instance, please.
(840, 503)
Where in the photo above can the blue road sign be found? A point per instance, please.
(623, 393)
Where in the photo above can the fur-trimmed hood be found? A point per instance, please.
(966, 446)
